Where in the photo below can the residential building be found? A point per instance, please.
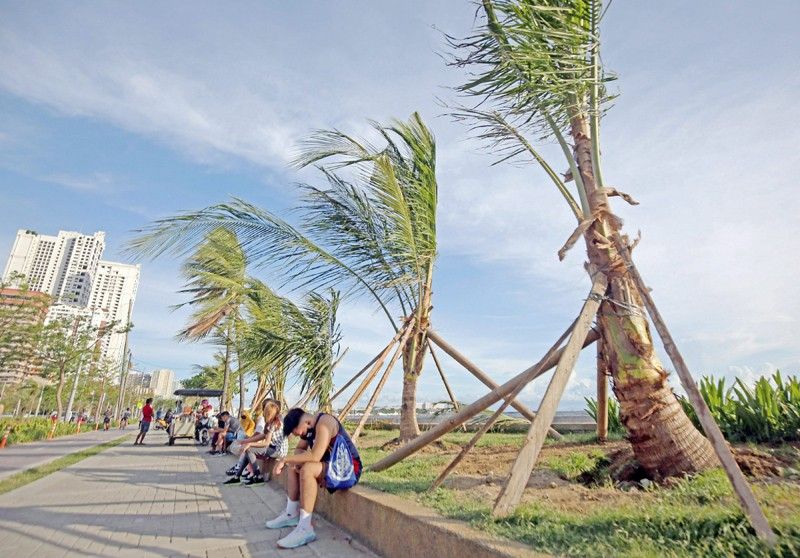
(61, 266)
(113, 293)
(162, 382)
(69, 269)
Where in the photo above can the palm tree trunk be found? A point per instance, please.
(664, 440)
(412, 367)
(226, 395)
(241, 391)
(60, 390)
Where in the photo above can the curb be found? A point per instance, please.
(396, 527)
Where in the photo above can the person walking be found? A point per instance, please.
(324, 456)
(144, 425)
(107, 419)
(126, 415)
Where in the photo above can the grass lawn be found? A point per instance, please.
(697, 516)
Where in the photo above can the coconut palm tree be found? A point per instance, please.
(536, 71)
(216, 275)
(283, 338)
(371, 229)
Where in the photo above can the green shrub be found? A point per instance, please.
(767, 412)
(35, 428)
(614, 422)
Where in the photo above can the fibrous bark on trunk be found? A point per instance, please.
(664, 440)
(412, 367)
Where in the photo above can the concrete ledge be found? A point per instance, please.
(396, 527)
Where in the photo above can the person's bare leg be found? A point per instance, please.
(293, 483)
(309, 485)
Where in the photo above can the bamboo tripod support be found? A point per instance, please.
(469, 411)
(444, 378)
(489, 423)
(602, 395)
(371, 404)
(376, 367)
(748, 501)
(511, 493)
(482, 376)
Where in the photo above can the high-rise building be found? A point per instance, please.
(113, 293)
(62, 266)
(162, 382)
(68, 268)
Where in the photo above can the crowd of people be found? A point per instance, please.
(324, 455)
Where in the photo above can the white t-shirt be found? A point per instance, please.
(260, 424)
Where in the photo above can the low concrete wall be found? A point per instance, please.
(396, 527)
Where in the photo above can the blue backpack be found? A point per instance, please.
(344, 468)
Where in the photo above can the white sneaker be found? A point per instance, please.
(283, 520)
(298, 537)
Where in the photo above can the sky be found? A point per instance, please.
(114, 114)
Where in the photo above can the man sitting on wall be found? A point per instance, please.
(325, 454)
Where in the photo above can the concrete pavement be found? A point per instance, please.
(153, 500)
(19, 457)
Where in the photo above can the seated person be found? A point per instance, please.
(267, 442)
(248, 425)
(308, 468)
(226, 433)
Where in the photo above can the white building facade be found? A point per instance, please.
(162, 382)
(69, 269)
(113, 294)
(62, 266)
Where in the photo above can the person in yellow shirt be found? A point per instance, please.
(248, 424)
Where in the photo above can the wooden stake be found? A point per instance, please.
(474, 408)
(365, 384)
(366, 366)
(602, 394)
(482, 376)
(444, 378)
(489, 423)
(511, 493)
(748, 501)
(372, 400)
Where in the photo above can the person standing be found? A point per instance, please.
(144, 425)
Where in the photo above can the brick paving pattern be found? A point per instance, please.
(153, 500)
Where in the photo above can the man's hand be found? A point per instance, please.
(278, 468)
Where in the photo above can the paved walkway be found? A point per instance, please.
(153, 500)
(16, 458)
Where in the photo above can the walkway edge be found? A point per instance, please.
(47, 461)
(396, 527)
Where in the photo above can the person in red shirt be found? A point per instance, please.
(144, 425)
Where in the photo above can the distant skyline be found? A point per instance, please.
(113, 115)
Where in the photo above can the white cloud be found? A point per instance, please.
(711, 158)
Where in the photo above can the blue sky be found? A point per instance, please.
(112, 115)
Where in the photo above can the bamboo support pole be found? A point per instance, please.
(482, 376)
(489, 423)
(372, 373)
(444, 378)
(469, 411)
(740, 486)
(511, 493)
(384, 351)
(374, 399)
(602, 395)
